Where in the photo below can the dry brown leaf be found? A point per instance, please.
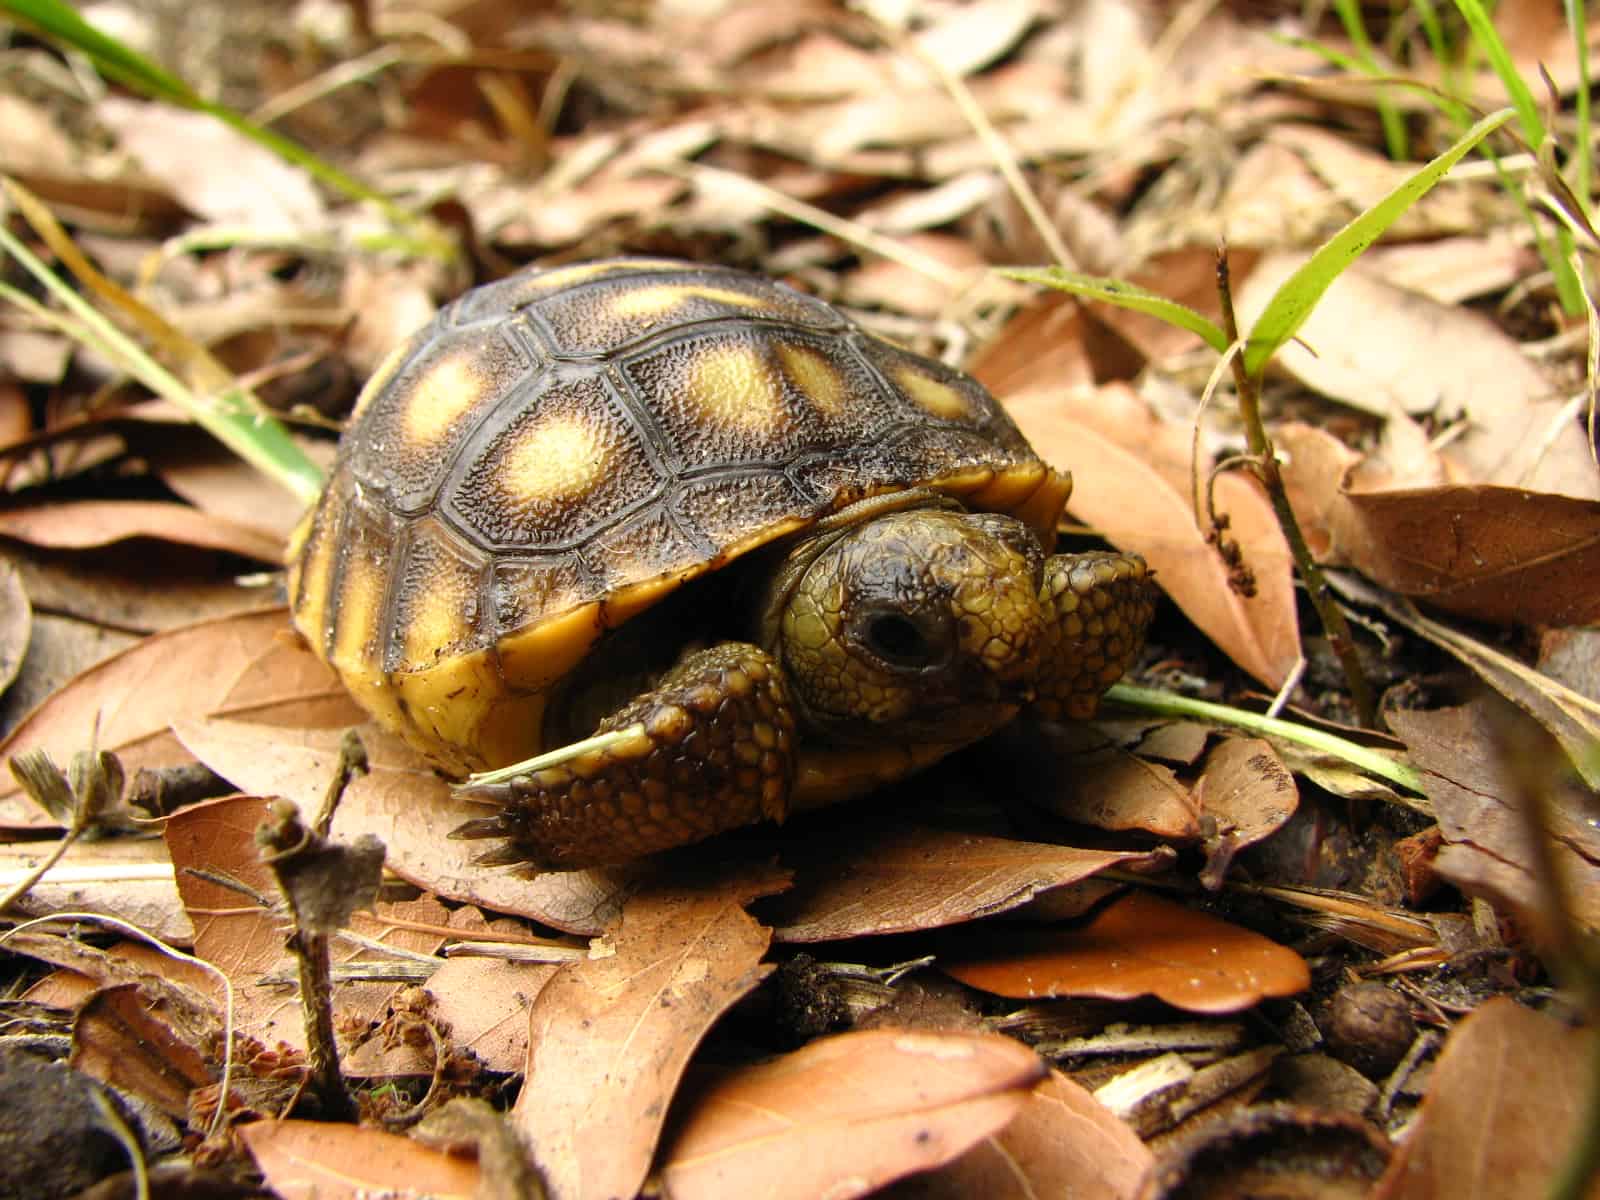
(221, 484)
(127, 1037)
(1047, 341)
(127, 878)
(845, 1114)
(37, 154)
(119, 586)
(1453, 270)
(1382, 349)
(1490, 553)
(485, 1003)
(86, 524)
(1572, 657)
(1082, 775)
(609, 1037)
(83, 969)
(1475, 793)
(1064, 1143)
(247, 941)
(312, 1160)
(899, 288)
(1131, 484)
(895, 879)
(1501, 1113)
(1249, 794)
(214, 170)
(16, 622)
(406, 804)
(127, 703)
(1139, 945)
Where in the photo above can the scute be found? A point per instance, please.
(452, 380)
(520, 483)
(560, 450)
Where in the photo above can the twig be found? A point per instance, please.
(1266, 468)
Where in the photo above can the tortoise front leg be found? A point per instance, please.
(1097, 608)
(709, 748)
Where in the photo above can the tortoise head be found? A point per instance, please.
(923, 625)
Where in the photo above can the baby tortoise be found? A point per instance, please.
(780, 560)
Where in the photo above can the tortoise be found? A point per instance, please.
(778, 560)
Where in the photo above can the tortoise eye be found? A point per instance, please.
(900, 641)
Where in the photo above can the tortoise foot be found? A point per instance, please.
(1098, 607)
(710, 748)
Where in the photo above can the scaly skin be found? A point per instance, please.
(925, 627)
(1097, 608)
(715, 751)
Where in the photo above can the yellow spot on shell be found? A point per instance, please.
(663, 298)
(556, 460)
(437, 622)
(733, 386)
(816, 378)
(311, 557)
(359, 607)
(442, 393)
(940, 399)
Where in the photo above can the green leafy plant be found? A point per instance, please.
(1279, 321)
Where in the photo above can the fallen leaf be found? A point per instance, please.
(1451, 270)
(845, 1114)
(610, 1036)
(221, 484)
(1080, 774)
(85, 524)
(246, 941)
(1475, 793)
(16, 622)
(127, 703)
(126, 588)
(484, 1002)
(1502, 1112)
(408, 806)
(1063, 1142)
(1131, 484)
(1572, 657)
(1381, 349)
(1248, 793)
(216, 172)
(895, 879)
(1489, 553)
(128, 878)
(312, 1160)
(1139, 945)
(128, 1037)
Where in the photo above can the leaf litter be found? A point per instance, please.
(1438, 451)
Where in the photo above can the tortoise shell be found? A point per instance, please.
(556, 452)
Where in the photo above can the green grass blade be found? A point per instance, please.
(1294, 300)
(1394, 126)
(1488, 40)
(1582, 161)
(234, 417)
(63, 23)
(1123, 295)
